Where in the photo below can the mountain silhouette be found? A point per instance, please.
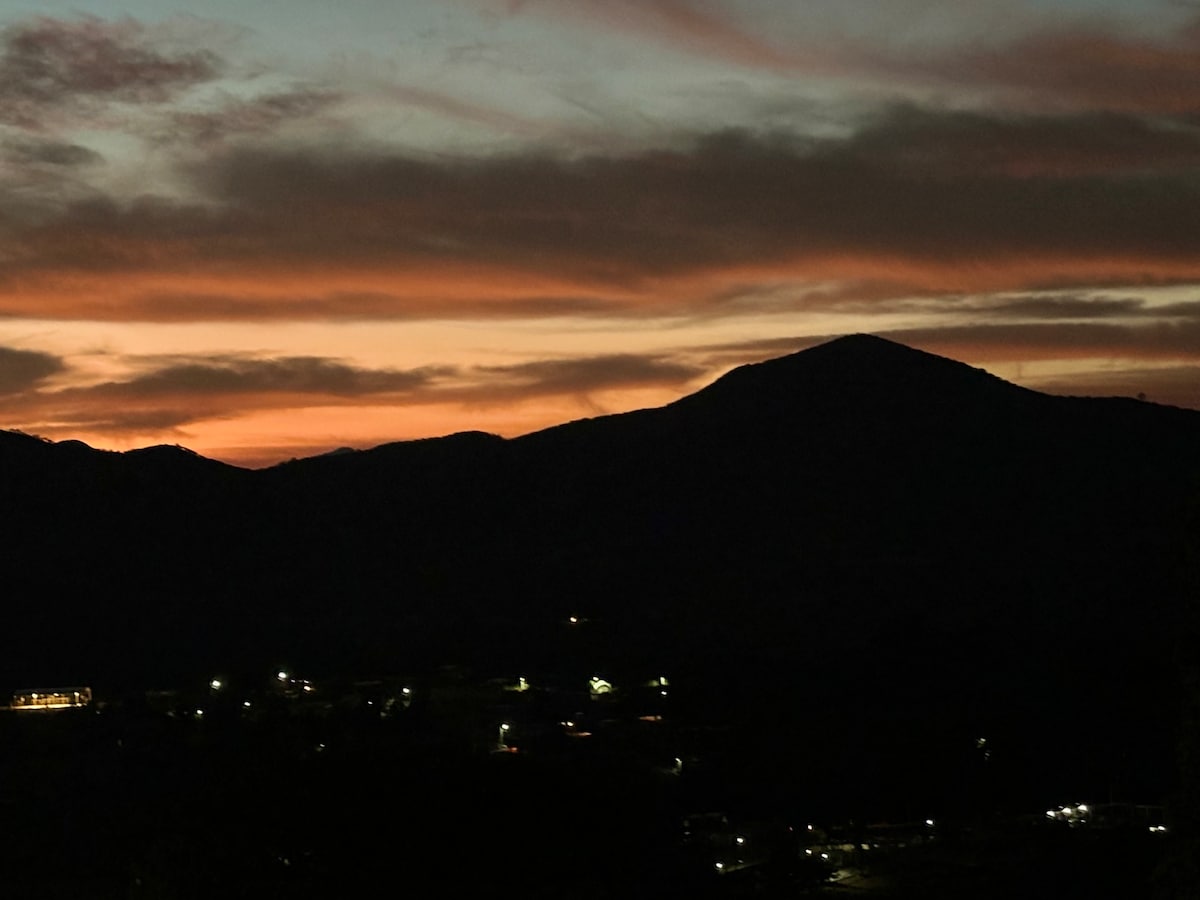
(861, 524)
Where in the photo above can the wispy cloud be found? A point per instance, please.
(164, 395)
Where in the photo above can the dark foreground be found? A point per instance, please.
(383, 786)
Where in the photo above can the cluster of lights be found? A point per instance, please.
(1072, 815)
(1158, 829)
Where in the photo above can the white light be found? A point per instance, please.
(810, 828)
(662, 681)
(406, 691)
(216, 684)
(824, 856)
(1068, 811)
(504, 726)
(281, 675)
(199, 714)
(719, 866)
(1050, 814)
(245, 704)
(929, 822)
(740, 839)
(1082, 807)
(574, 620)
(308, 689)
(808, 852)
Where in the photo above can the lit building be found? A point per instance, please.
(52, 698)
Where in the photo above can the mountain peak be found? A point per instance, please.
(863, 369)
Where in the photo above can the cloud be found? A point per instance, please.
(58, 154)
(238, 117)
(887, 211)
(673, 22)
(230, 375)
(1099, 67)
(1024, 58)
(1163, 340)
(578, 376)
(164, 394)
(964, 143)
(48, 63)
(167, 393)
(21, 370)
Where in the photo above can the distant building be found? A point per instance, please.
(51, 698)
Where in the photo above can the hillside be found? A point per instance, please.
(860, 524)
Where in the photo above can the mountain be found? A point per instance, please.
(856, 526)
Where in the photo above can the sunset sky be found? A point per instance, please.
(268, 229)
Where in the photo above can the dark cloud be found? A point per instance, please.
(21, 370)
(48, 153)
(579, 376)
(452, 237)
(232, 375)
(734, 197)
(971, 143)
(47, 63)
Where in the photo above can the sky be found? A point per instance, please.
(267, 230)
